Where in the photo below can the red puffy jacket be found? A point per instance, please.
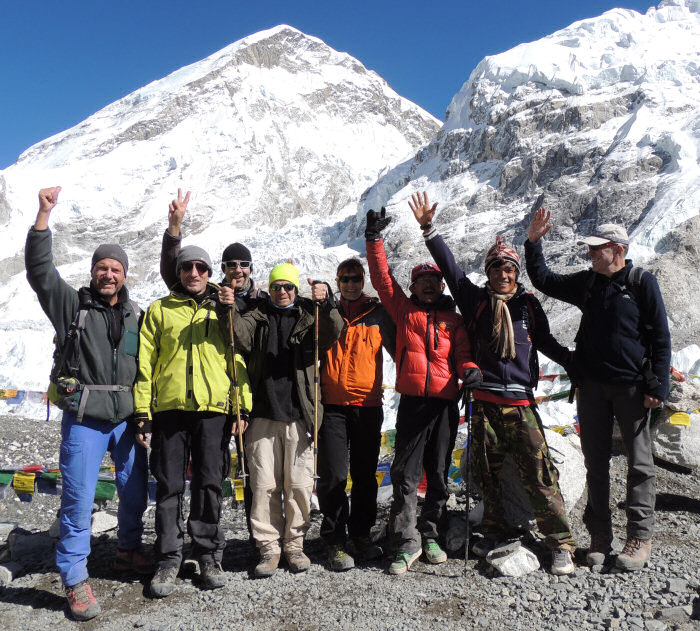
(432, 346)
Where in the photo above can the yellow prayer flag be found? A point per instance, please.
(23, 482)
(680, 418)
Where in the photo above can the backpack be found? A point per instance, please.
(65, 389)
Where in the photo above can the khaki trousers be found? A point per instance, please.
(280, 462)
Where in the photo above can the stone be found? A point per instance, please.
(26, 547)
(9, 571)
(102, 521)
(676, 586)
(679, 444)
(678, 614)
(513, 560)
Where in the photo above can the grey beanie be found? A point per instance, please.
(110, 251)
(192, 253)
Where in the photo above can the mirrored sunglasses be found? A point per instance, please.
(235, 264)
(358, 278)
(201, 267)
(280, 286)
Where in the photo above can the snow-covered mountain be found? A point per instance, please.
(600, 122)
(286, 143)
(277, 136)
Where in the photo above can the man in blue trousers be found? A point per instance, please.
(94, 369)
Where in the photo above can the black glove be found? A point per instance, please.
(472, 378)
(144, 425)
(376, 222)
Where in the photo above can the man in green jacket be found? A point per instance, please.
(182, 394)
(277, 334)
(97, 337)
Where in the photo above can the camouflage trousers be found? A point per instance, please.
(499, 430)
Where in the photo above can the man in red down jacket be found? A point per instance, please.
(432, 352)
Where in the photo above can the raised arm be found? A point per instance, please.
(465, 293)
(172, 238)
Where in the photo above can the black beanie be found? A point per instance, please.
(110, 251)
(236, 252)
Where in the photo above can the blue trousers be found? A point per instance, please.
(83, 446)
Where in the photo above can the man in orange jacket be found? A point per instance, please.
(351, 383)
(432, 353)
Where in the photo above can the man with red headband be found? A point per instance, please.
(432, 353)
(507, 327)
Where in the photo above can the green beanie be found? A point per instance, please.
(285, 271)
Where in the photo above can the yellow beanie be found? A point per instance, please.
(285, 271)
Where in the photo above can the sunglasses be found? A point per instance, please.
(235, 264)
(279, 287)
(602, 246)
(351, 279)
(201, 267)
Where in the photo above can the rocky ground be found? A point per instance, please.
(662, 596)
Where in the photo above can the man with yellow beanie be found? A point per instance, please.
(277, 334)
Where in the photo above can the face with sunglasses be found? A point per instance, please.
(283, 293)
(351, 282)
(194, 276)
(237, 273)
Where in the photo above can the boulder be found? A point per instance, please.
(513, 560)
(676, 430)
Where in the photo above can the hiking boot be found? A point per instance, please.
(163, 582)
(634, 555)
(83, 605)
(211, 575)
(403, 561)
(433, 552)
(267, 565)
(600, 548)
(366, 549)
(338, 559)
(562, 562)
(297, 560)
(483, 546)
(135, 560)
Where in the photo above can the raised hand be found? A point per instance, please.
(48, 198)
(376, 222)
(176, 212)
(318, 290)
(422, 210)
(539, 225)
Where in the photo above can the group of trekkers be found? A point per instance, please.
(298, 381)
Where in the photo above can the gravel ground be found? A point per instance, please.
(662, 596)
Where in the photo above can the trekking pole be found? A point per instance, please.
(236, 394)
(468, 448)
(317, 379)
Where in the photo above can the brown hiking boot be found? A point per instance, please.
(297, 560)
(267, 565)
(634, 555)
(601, 547)
(83, 605)
(136, 560)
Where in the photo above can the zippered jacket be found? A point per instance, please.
(610, 345)
(251, 330)
(184, 360)
(352, 369)
(509, 378)
(101, 362)
(432, 345)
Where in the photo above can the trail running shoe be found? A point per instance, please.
(83, 605)
(403, 561)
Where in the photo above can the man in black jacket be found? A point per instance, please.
(97, 332)
(622, 329)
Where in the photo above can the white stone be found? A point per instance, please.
(102, 521)
(517, 562)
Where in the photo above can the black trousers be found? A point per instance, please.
(426, 429)
(360, 428)
(177, 437)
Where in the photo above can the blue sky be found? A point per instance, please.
(63, 61)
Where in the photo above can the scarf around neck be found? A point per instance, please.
(503, 337)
